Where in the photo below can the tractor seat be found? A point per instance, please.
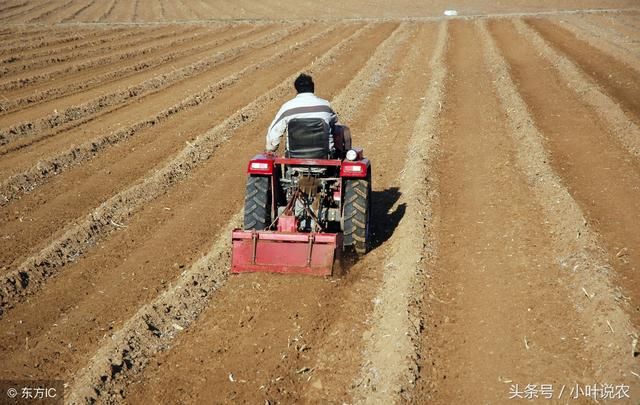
(308, 138)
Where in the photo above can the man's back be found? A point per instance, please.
(304, 105)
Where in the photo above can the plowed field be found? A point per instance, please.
(506, 189)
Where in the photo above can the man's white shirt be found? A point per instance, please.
(304, 105)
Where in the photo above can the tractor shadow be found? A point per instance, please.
(383, 221)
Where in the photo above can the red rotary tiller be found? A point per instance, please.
(300, 213)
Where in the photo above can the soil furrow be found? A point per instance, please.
(505, 144)
(83, 234)
(149, 10)
(624, 129)
(54, 155)
(11, 7)
(41, 39)
(206, 10)
(330, 83)
(38, 122)
(619, 80)
(18, 62)
(614, 31)
(92, 13)
(76, 14)
(50, 15)
(338, 334)
(107, 13)
(386, 371)
(298, 299)
(88, 38)
(17, 35)
(186, 12)
(479, 303)
(171, 10)
(123, 11)
(625, 49)
(113, 54)
(187, 202)
(11, 16)
(72, 194)
(155, 61)
(28, 37)
(163, 11)
(135, 10)
(630, 22)
(44, 9)
(545, 115)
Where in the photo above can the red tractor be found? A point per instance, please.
(302, 210)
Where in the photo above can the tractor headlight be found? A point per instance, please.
(352, 154)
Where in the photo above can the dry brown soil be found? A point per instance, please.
(506, 218)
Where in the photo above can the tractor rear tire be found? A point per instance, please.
(357, 210)
(257, 203)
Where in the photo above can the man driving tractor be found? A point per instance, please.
(303, 209)
(307, 105)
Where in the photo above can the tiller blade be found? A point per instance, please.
(284, 252)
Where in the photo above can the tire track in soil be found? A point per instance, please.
(52, 155)
(617, 79)
(38, 122)
(609, 111)
(44, 10)
(135, 10)
(123, 11)
(577, 237)
(152, 60)
(33, 219)
(205, 197)
(171, 10)
(50, 16)
(492, 290)
(82, 48)
(11, 7)
(329, 79)
(163, 12)
(92, 13)
(149, 11)
(10, 17)
(75, 16)
(92, 226)
(108, 11)
(137, 47)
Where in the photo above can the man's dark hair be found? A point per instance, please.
(304, 84)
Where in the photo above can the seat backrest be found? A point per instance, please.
(308, 138)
